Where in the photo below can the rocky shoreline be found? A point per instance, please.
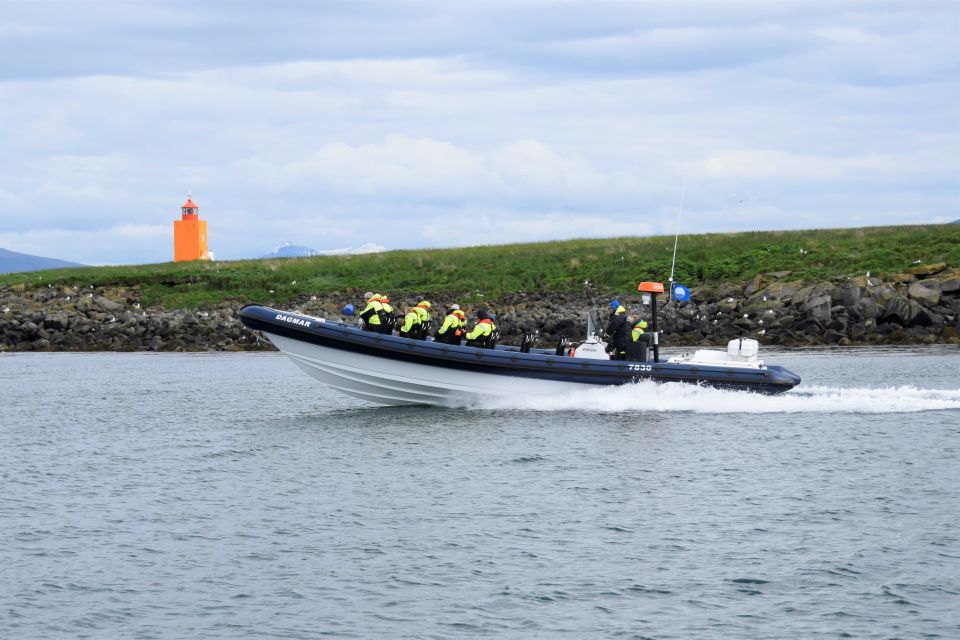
(920, 306)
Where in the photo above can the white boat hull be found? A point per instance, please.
(390, 382)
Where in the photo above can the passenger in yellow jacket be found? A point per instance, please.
(388, 318)
(423, 309)
(638, 328)
(453, 326)
(372, 312)
(411, 324)
(480, 335)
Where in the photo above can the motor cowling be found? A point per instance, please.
(743, 348)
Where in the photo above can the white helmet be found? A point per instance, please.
(454, 306)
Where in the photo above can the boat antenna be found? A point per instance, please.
(676, 238)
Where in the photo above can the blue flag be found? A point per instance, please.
(680, 293)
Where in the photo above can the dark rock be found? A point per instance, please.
(847, 294)
(727, 305)
(29, 329)
(866, 309)
(925, 291)
(755, 285)
(901, 310)
(809, 326)
(927, 318)
(833, 337)
(107, 305)
(857, 331)
(818, 306)
(882, 294)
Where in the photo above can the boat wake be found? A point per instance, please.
(653, 397)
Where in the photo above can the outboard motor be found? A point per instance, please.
(562, 346)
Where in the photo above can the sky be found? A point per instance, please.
(438, 123)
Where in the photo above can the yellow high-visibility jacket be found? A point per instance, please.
(638, 330)
(410, 320)
(482, 329)
(451, 322)
(371, 313)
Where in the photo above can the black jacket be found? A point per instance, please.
(618, 331)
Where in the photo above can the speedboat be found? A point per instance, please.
(394, 370)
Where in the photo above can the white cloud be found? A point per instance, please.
(125, 244)
(492, 227)
(767, 164)
(334, 125)
(141, 231)
(847, 35)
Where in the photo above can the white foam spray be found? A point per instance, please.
(650, 396)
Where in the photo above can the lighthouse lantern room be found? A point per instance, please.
(190, 234)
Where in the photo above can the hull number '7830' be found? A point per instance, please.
(640, 367)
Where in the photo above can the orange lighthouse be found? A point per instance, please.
(190, 234)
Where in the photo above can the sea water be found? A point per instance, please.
(231, 496)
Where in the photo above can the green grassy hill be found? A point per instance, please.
(614, 264)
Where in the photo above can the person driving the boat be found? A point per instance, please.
(618, 331)
(482, 331)
(411, 324)
(371, 314)
(425, 320)
(453, 326)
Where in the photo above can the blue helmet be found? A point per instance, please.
(614, 305)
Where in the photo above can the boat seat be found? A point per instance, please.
(527, 342)
(422, 329)
(637, 349)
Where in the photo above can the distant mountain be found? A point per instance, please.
(955, 222)
(13, 262)
(290, 250)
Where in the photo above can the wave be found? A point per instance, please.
(651, 396)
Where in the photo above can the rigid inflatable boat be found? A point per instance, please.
(392, 370)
